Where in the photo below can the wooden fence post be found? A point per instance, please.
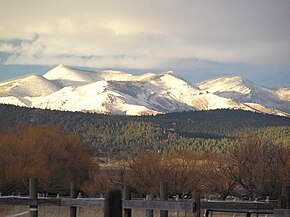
(281, 202)
(73, 194)
(196, 202)
(113, 204)
(284, 200)
(33, 209)
(163, 196)
(127, 196)
(149, 212)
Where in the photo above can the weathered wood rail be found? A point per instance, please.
(97, 202)
(163, 204)
(248, 212)
(172, 205)
(239, 205)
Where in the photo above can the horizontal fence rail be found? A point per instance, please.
(182, 205)
(158, 204)
(96, 202)
(126, 205)
(230, 205)
(247, 212)
(26, 201)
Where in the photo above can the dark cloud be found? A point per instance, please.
(199, 38)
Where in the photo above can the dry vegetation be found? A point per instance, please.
(253, 168)
(45, 152)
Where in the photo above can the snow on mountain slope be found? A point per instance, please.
(116, 92)
(167, 93)
(236, 88)
(225, 84)
(181, 91)
(284, 94)
(94, 97)
(74, 98)
(149, 95)
(243, 91)
(69, 76)
(149, 91)
(111, 75)
(13, 101)
(259, 108)
(152, 95)
(30, 85)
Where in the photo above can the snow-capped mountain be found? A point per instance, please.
(67, 76)
(16, 91)
(244, 91)
(115, 92)
(30, 85)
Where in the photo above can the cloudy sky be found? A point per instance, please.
(197, 39)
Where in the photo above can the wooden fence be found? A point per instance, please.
(114, 205)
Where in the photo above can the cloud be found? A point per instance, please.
(145, 34)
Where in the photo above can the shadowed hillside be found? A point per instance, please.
(119, 136)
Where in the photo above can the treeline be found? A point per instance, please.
(122, 136)
(218, 123)
(252, 168)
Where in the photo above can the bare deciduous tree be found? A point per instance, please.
(46, 152)
(259, 167)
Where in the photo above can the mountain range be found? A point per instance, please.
(113, 92)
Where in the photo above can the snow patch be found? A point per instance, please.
(115, 92)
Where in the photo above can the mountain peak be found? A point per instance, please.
(62, 66)
(237, 78)
(68, 76)
(59, 66)
(32, 85)
(168, 72)
(224, 82)
(68, 88)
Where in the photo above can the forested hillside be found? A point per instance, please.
(120, 136)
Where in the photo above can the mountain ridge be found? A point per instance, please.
(242, 90)
(115, 92)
